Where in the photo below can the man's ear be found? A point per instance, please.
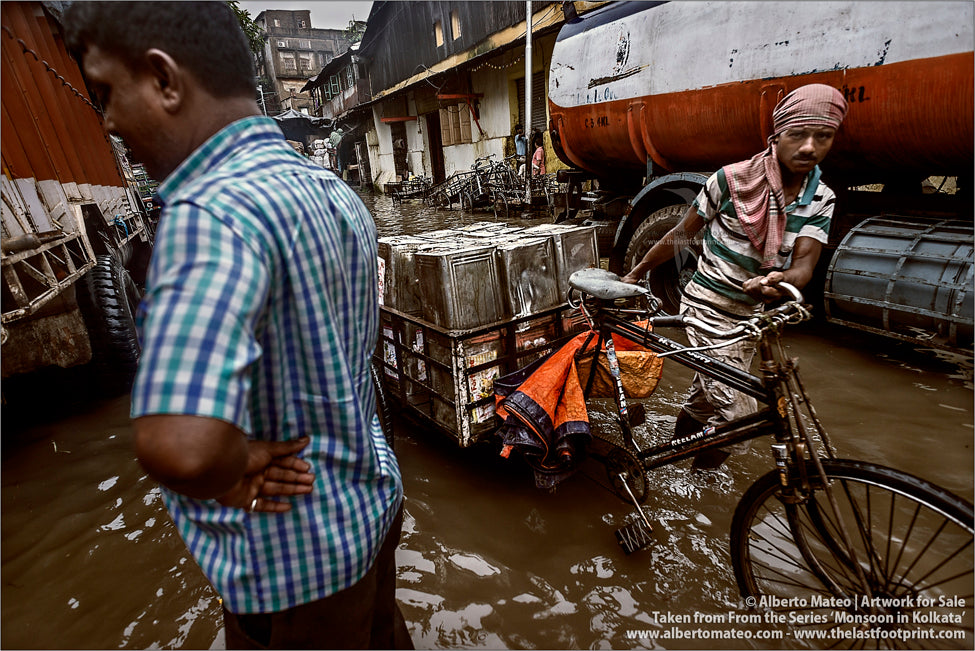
(170, 79)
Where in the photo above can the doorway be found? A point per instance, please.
(436, 147)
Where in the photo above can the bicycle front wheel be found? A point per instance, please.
(905, 579)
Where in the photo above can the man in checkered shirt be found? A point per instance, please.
(253, 405)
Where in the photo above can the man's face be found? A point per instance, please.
(130, 107)
(800, 149)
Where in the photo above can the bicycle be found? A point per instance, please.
(857, 550)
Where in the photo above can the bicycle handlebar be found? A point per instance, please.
(790, 311)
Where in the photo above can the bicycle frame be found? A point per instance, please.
(767, 389)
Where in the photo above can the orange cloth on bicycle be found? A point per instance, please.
(545, 415)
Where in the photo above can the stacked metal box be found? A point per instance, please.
(462, 307)
(485, 272)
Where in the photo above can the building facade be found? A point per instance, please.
(447, 83)
(293, 52)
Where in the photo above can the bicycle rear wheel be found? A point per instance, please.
(911, 540)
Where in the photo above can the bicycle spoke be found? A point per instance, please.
(905, 540)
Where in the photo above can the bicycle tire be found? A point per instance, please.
(912, 540)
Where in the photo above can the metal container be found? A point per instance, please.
(401, 290)
(528, 273)
(460, 288)
(576, 247)
(909, 279)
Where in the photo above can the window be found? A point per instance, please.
(288, 61)
(277, 23)
(305, 44)
(455, 125)
(349, 77)
(455, 24)
(438, 33)
(301, 24)
(305, 61)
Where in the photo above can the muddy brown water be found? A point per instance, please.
(90, 558)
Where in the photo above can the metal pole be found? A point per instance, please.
(260, 89)
(528, 100)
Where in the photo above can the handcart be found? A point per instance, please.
(445, 378)
(451, 191)
(415, 188)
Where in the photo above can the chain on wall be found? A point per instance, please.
(26, 50)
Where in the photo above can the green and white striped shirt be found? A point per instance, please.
(729, 258)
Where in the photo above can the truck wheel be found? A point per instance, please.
(108, 298)
(667, 280)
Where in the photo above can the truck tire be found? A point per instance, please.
(668, 279)
(108, 298)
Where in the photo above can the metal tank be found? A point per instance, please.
(905, 277)
(649, 98)
(691, 85)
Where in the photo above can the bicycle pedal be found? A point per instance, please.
(634, 536)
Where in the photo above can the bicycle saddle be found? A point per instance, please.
(603, 284)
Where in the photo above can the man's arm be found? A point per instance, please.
(805, 255)
(667, 246)
(207, 458)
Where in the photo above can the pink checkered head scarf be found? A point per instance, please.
(755, 185)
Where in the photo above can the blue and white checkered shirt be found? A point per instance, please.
(261, 310)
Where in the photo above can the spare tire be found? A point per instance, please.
(108, 298)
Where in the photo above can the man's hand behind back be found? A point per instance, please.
(273, 470)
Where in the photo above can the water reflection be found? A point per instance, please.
(91, 560)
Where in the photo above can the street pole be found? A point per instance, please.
(528, 99)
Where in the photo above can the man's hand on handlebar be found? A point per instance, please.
(766, 288)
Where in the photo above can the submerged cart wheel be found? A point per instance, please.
(108, 298)
(911, 540)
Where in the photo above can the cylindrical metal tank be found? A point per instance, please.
(907, 278)
(692, 85)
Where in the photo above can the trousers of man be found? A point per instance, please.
(712, 401)
(363, 616)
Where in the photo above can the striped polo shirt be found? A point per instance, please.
(261, 310)
(729, 258)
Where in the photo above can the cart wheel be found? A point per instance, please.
(621, 462)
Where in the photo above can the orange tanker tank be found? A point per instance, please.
(692, 85)
(649, 98)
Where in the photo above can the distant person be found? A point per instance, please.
(767, 219)
(253, 405)
(538, 157)
(521, 145)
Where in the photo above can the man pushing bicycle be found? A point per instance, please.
(765, 221)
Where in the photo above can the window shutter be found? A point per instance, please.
(539, 98)
(446, 133)
(464, 115)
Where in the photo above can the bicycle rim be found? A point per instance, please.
(912, 540)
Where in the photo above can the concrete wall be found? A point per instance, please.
(497, 114)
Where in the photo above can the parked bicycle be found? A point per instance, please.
(870, 556)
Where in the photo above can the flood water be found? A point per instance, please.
(91, 560)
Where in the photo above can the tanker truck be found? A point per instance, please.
(647, 99)
(76, 233)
